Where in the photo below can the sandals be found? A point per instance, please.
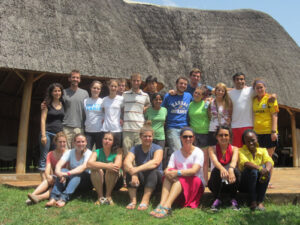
(142, 207)
(163, 212)
(131, 206)
(156, 210)
(101, 201)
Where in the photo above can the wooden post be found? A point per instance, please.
(294, 138)
(23, 125)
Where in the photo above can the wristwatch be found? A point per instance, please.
(179, 173)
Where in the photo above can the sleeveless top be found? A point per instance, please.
(54, 119)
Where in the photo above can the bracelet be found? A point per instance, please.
(69, 174)
(273, 132)
(231, 167)
(179, 174)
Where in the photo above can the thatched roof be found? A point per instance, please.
(114, 39)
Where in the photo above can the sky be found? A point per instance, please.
(285, 12)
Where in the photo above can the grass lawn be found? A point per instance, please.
(82, 210)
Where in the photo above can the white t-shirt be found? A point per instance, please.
(94, 116)
(179, 162)
(111, 109)
(70, 156)
(242, 107)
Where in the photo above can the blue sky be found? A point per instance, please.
(285, 12)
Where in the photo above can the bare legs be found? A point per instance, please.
(271, 152)
(110, 181)
(170, 191)
(42, 192)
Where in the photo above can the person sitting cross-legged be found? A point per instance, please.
(147, 170)
(105, 164)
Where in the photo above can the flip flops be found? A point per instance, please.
(142, 207)
(131, 206)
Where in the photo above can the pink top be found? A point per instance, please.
(51, 159)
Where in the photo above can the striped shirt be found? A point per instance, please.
(134, 104)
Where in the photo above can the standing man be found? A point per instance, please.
(177, 106)
(195, 78)
(242, 118)
(135, 103)
(74, 110)
(121, 86)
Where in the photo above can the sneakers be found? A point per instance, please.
(234, 205)
(216, 205)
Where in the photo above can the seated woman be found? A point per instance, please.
(78, 177)
(183, 176)
(224, 177)
(255, 165)
(42, 192)
(105, 165)
(147, 170)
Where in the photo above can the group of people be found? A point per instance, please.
(145, 139)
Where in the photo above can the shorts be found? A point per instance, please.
(201, 140)
(212, 141)
(237, 134)
(265, 141)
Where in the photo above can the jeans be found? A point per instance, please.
(250, 184)
(44, 149)
(63, 191)
(173, 139)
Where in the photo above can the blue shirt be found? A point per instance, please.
(191, 90)
(177, 106)
(141, 157)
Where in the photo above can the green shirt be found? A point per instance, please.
(101, 157)
(158, 118)
(198, 117)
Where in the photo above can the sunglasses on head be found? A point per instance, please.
(187, 136)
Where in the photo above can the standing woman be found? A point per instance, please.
(112, 109)
(199, 122)
(265, 117)
(183, 177)
(220, 111)
(105, 164)
(94, 118)
(255, 165)
(224, 177)
(156, 115)
(51, 122)
(77, 177)
(42, 192)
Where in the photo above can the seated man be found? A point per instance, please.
(147, 170)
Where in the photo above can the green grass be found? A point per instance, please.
(82, 211)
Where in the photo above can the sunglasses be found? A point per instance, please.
(187, 136)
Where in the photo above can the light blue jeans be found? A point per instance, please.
(63, 191)
(44, 149)
(174, 143)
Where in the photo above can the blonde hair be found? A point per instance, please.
(226, 97)
(145, 129)
(58, 135)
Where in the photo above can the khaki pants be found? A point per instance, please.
(70, 133)
(130, 139)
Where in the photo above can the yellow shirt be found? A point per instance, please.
(261, 157)
(262, 112)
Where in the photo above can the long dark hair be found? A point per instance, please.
(49, 97)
